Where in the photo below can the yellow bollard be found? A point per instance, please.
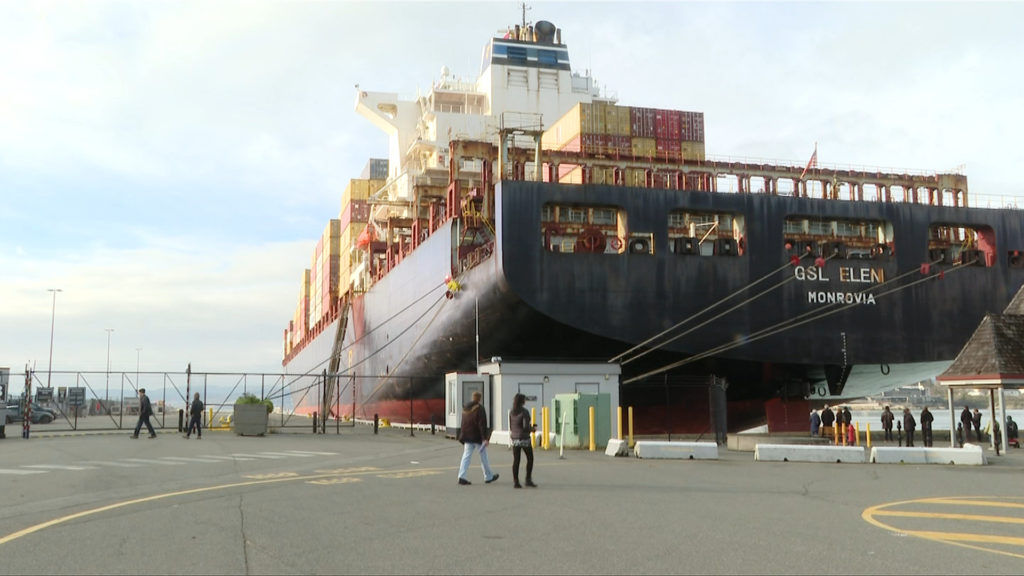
(869, 435)
(630, 426)
(835, 432)
(544, 428)
(209, 419)
(592, 446)
(533, 420)
(856, 433)
(619, 414)
(844, 433)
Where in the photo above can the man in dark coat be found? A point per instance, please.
(827, 418)
(145, 411)
(965, 420)
(475, 435)
(977, 424)
(815, 422)
(887, 420)
(909, 424)
(926, 426)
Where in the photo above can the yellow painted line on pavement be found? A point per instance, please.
(974, 517)
(123, 504)
(961, 539)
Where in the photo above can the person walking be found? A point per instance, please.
(926, 426)
(520, 428)
(195, 421)
(145, 411)
(909, 424)
(827, 418)
(977, 424)
(887, 419)
(475, 436)
(815, 422)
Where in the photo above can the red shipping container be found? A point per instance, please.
(620, 146)
(668, 150)
(666, 124)
(641, 122)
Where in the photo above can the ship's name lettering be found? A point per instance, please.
(846, 274)
(840, 298)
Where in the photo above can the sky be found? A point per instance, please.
(170, 165)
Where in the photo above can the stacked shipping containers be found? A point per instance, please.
(355, 213)
(323, 276)
(601, 128)
(300, 321)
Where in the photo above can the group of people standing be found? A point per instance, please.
(822, 424)
(475, 435)
(968, 420)
(909, 425)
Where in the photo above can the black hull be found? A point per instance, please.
(404, 334)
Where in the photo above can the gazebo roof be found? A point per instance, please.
(995, 352)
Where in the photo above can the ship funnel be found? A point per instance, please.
(544, 32)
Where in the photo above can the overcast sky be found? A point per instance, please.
(170, 165)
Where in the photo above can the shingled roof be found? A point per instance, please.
(995, 352)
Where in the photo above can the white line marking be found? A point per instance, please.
(224, 457)
(288, 454)
(106, 463)
(311, 452)
(187, 459)
(145, 461)
(58, 467)
(258, 456)
(21, 472)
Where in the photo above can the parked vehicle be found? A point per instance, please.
(39, 414)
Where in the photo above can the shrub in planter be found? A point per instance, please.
(251, 414)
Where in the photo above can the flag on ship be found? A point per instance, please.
(812, 163)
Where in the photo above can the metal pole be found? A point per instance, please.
(410, 407)
(106, 394)
(53, 315)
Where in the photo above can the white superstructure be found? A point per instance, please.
(525, 82)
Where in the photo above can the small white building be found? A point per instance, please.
(538, 381)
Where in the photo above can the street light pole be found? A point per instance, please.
(53, 314)
(106, 399)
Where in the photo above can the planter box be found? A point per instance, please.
(250, 419)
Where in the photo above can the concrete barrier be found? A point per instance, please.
(676, 450)
(804, 453)
(617, 447)
(969, 455)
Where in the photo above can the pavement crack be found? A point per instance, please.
(245, 540)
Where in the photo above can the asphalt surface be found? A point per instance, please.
(359, 503)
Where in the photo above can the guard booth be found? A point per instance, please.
(540, 382)
(458, 391)
(571, 414)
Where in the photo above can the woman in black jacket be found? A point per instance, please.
(520, 429)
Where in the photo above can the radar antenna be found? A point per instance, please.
(525, 8)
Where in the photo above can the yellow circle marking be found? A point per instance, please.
(93, 511)
(874, 514)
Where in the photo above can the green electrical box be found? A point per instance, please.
(573, 410)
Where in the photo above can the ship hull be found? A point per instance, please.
(525, 302)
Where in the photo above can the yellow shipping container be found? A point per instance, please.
(359, 190)
(574, 176)
(636, 177)
(643, 147)
(331, 236)
(617, 120)
(692, 151)
(564, 129)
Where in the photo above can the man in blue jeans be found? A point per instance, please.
(474, 435)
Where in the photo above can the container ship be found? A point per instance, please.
(529, 216)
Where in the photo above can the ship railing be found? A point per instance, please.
(865, 168)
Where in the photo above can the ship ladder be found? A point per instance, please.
(327, 403)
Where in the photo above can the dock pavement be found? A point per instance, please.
(388, 503)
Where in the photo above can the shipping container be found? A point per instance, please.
(636, 177)
(641, 147)
(359, 190)
(375, 169)
(668, 150)
(666, 124)
(692, 151)
(617, 120)
(642, 122)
